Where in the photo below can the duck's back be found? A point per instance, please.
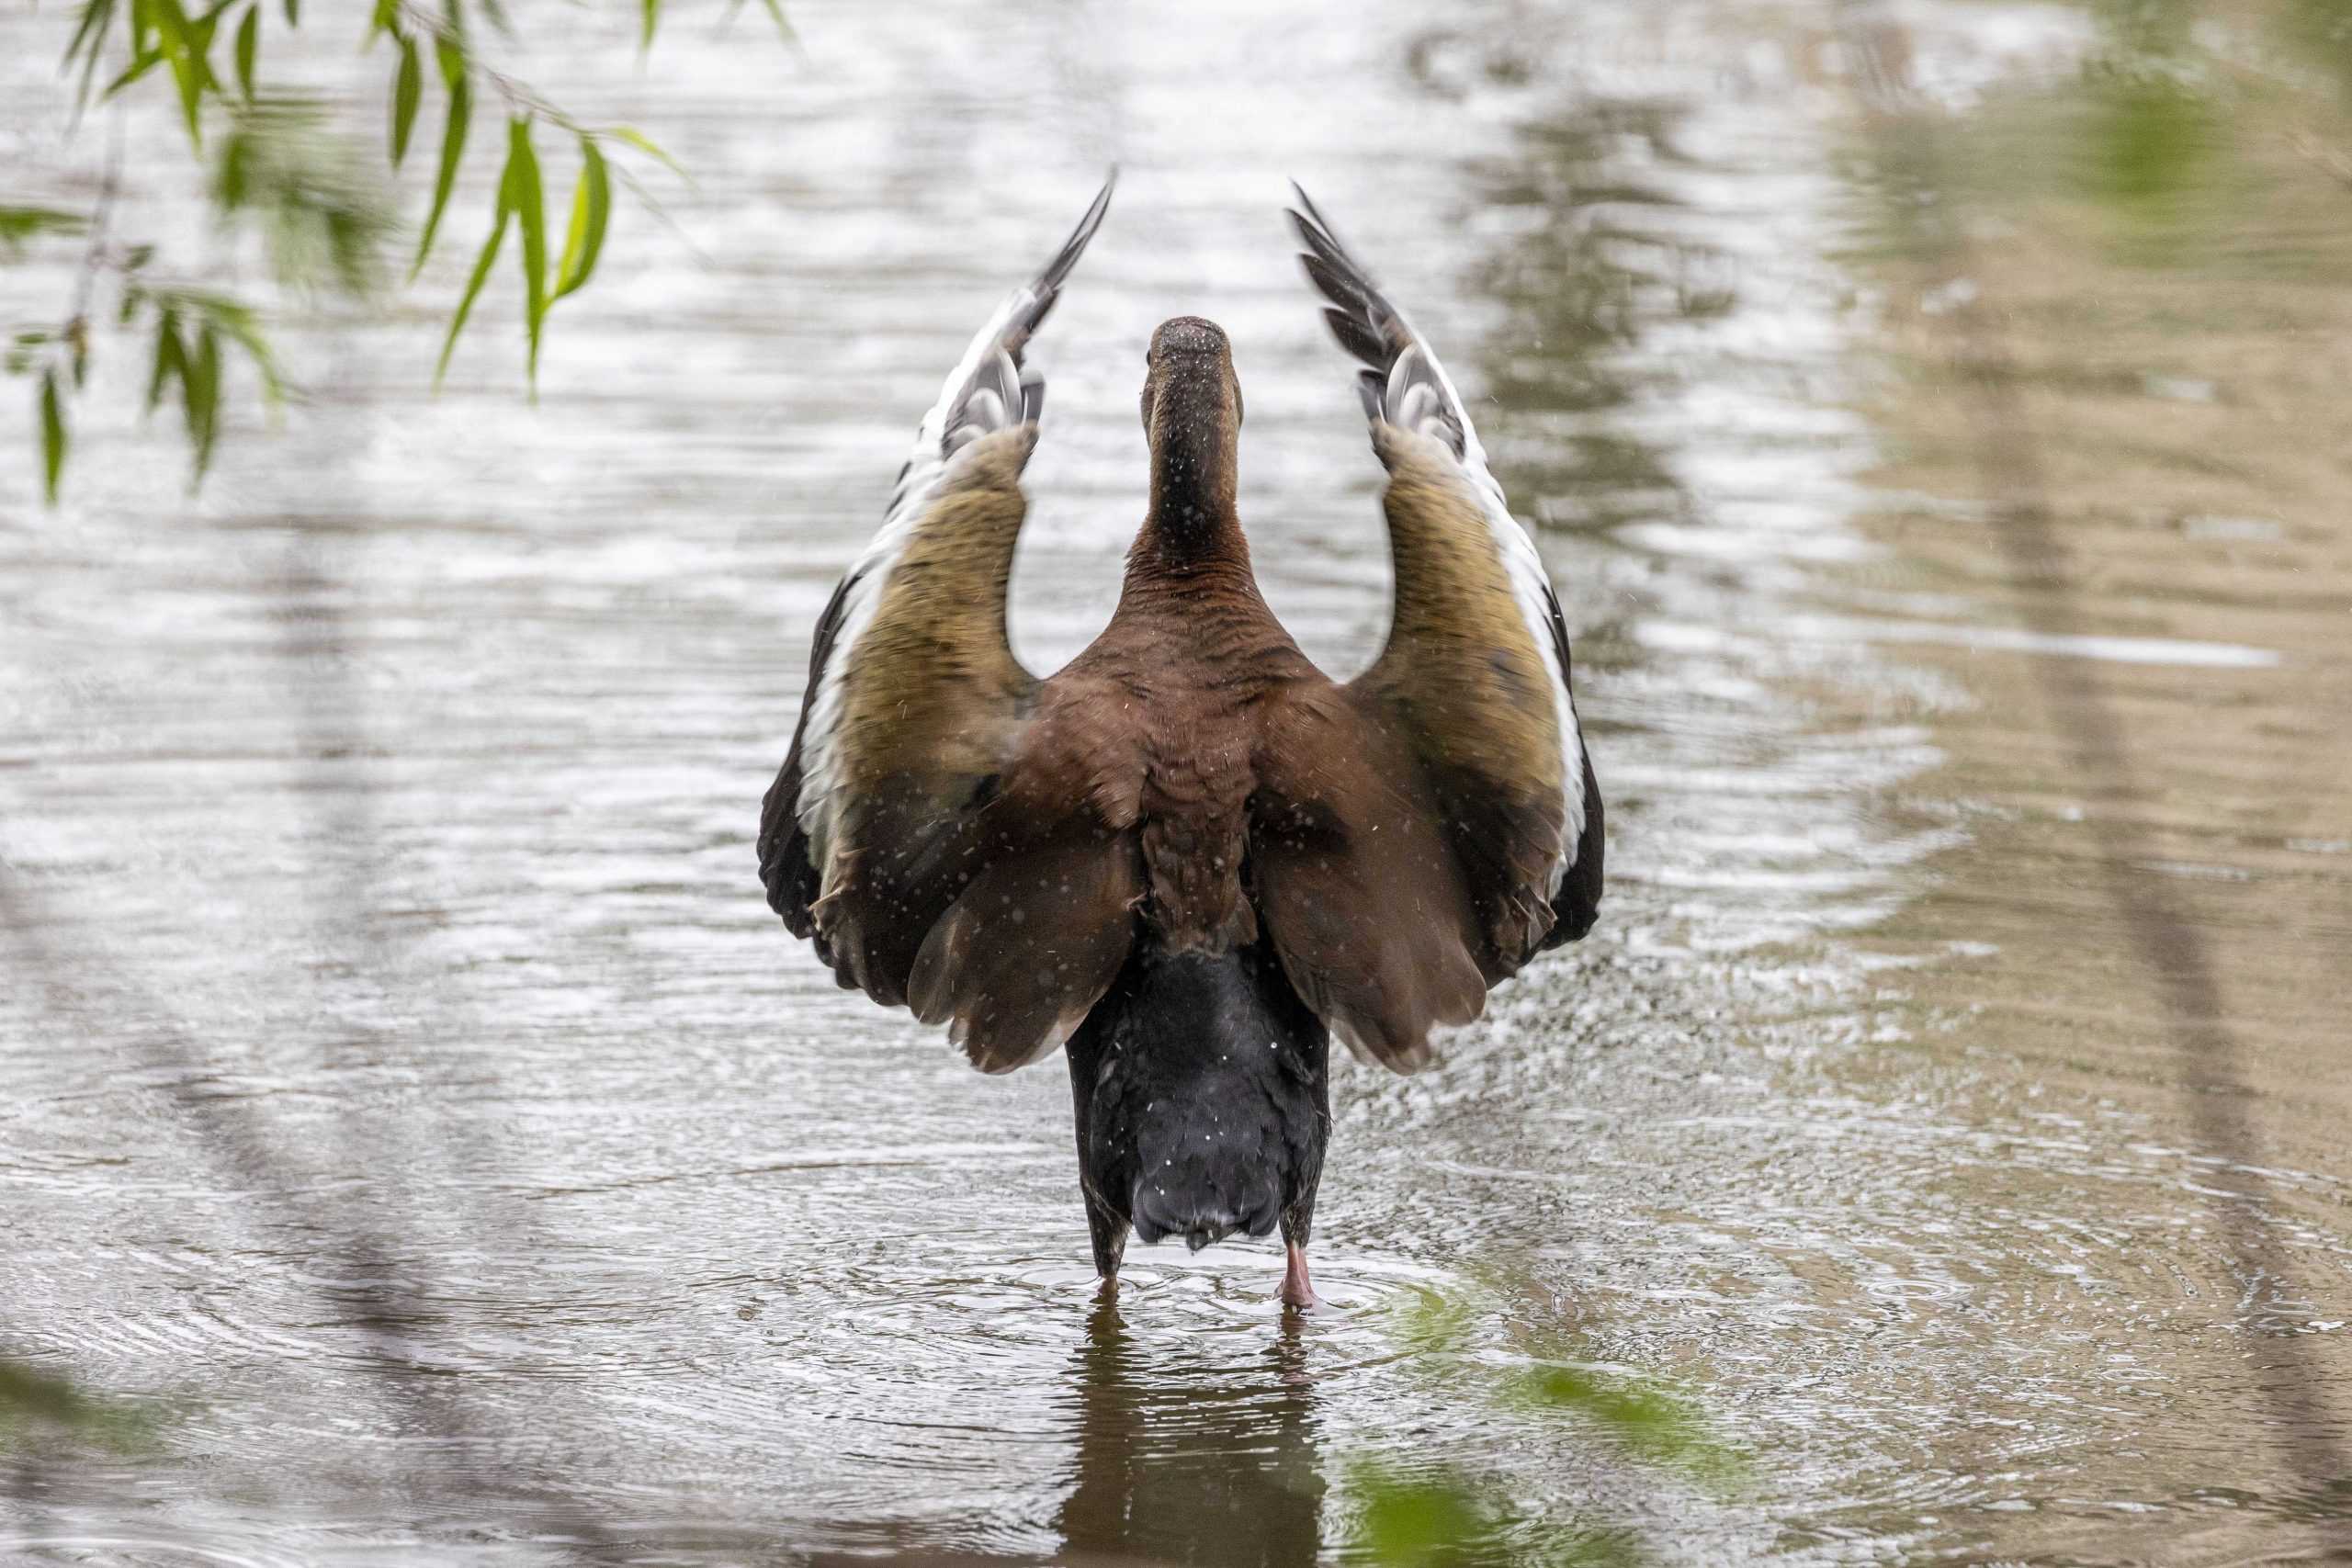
(1177, 691)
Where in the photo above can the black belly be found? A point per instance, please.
(1202, 1090)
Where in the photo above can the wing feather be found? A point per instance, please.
(889, 837)
(1358, 887)
(1473, 687)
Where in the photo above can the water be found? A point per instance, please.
(413, 1107)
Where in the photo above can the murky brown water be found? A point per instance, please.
(409, 1097)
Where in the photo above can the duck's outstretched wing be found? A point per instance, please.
(916, 833)
(1470, 697)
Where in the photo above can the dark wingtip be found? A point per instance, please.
(1317, 230)
(1307, 204)
(1046, 286)
(1359, 316)
(1080, 237)
(1325, 247)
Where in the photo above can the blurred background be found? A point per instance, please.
(418, 1141)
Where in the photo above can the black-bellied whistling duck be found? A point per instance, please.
(1189, 857)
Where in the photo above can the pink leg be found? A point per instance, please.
(1298, 1291)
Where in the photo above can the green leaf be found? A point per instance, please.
(473, 284)
(52, 433)
(385, 20)
(644, 144)
(240, 323)
(530, 215)
(169, 361)
(185, 45)
(453, 148)
(451, 56)
(2151, 137)
(652, 12)
(293, 9)
(191, 95)
(90, 33)
(782, 27)
(69, 1413)
(201, 378)
(18, 224)
(138, 66)
(226, 316)
(1412, 1522)
(408, 88)
(248, 46)
(236, 168)
(89, 43)
(591, 206)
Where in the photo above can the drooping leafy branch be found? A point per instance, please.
(277, 167)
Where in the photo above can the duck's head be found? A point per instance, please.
(1192, 415)
(1189, 371)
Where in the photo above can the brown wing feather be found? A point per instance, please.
(1462, 682)
(1360, 890)
(955, 871)
(1408, 824)
(918, 832)
(1411, 843)
(1475, 677)
(1030, 947)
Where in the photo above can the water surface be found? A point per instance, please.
(410, 1101)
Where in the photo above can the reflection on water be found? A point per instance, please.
(1596, 270)
(413, 1104)
(2166, 204)
(1192, 1464)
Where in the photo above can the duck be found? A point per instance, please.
(1189, 859)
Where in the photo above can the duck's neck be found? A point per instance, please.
(1192, 522)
